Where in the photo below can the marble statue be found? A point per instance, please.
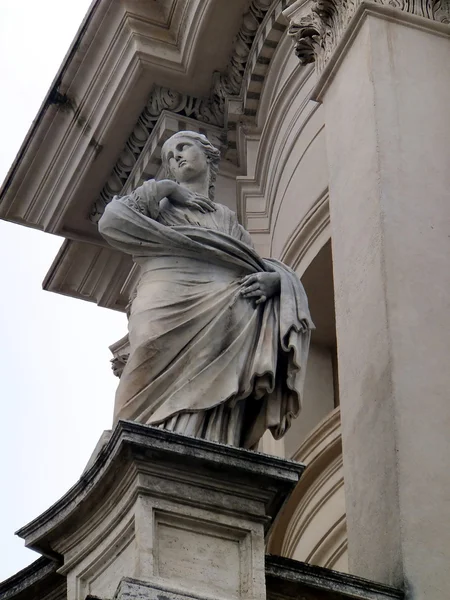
(219, 336)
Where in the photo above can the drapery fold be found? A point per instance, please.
(195, 342)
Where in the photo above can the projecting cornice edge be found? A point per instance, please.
(106, 70)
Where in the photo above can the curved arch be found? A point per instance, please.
(276, 76)
(271, 156)
(264, 46)
(278, 199)
(312, 526)
(309, 237)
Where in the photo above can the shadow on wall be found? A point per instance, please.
(321, 393)
(312, 526)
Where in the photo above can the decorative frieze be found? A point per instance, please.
(317, 34)
(206, 110)
(161, 99)
(229, 83)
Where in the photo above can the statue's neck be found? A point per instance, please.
(198, 186)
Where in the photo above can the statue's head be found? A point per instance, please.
(187, 156)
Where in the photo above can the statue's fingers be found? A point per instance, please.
(250, 288)
(202, 197)
(261, 299)
(196, 205)
(207, 202)
(253, 294)
(207, 206)
(248, 279)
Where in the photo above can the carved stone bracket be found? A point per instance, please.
(229, 83)
(120, 351)
(118, 364)
(161, 99)
(211, 111)
(317, 34)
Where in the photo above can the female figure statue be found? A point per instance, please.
(219, 337)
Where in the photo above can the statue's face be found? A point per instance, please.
(185, 158)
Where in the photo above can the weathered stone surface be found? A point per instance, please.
(133, 589)
(170, 510)
(390, 218)
(285, 580)
(38, 581)
(290, 579)
(318, 34)
(218, 336)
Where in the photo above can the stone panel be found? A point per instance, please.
(192, 551)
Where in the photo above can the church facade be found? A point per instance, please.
(332, 122)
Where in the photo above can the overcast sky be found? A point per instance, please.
(57, 389)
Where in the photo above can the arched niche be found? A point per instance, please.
(312, 526)
(321, 392)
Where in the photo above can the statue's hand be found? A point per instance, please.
(181, 196)
(260, 286)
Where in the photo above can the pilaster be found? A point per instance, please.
(382, 84)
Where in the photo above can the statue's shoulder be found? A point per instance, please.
(225, 211)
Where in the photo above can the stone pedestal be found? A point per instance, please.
(175, 516)
(386, 94)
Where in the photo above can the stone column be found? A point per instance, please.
(384, 80)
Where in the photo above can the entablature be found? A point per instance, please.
(135, 73)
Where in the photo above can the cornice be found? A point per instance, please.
(131, 448)
(234, 92)
(113, 49)
(82, 150)
(93, 81)
(38, 580)
(287, 578)
(106, 69)
(91, 272)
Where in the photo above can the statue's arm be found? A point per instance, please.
(146, 198)
(125, 229)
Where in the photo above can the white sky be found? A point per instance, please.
(57, 389)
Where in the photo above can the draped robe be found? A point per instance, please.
(204, 360)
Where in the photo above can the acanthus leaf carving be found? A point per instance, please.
(306, 34)
(317, 34)
(161, 98)
(208, 110)
(229, 83)
(118, 364)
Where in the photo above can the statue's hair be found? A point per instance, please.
(211, 152)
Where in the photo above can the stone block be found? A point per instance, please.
(177, 513)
